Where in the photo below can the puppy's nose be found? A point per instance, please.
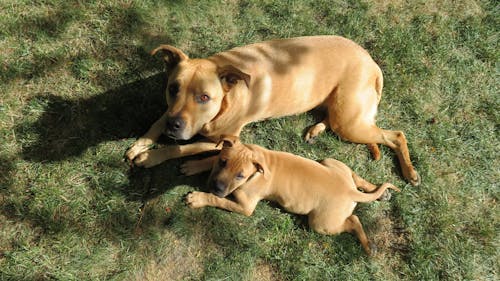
(175, 124)
(219, 187)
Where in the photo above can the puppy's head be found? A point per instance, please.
(195, 91)
(236, 164)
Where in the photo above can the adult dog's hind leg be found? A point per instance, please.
(396, 140)
(351, 115)
(373, 147)
(315, 130)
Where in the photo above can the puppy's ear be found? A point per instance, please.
(259, 167)
(229, 76)
(171, 55)
(260, 164)
(227, 141)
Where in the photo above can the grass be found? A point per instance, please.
(78, 86)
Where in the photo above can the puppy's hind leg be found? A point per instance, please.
(331, 224)
(363, 184)
(353, 225)
(367, 186)
(359, 182)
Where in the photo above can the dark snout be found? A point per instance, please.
(218, 188)
(175, 126)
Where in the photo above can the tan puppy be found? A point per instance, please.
(327, 193)
(222, 93)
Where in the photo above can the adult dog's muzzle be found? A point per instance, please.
(175, 127)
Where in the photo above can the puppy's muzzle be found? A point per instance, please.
(174, 127)
(218, 188)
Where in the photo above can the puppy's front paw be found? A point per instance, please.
(190, 168)
(196, 199)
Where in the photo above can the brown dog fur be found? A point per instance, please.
(222, 93)
(326, 192)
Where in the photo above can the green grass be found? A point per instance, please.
(77, 86)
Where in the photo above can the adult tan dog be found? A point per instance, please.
(327, 193)
(222, 93)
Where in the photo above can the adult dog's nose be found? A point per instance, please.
(175, 125)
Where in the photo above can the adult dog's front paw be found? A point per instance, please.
(137, 148)
(196, 199)
(142, 159)
(147, 159)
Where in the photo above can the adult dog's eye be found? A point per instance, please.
(240, 176)
(173, 89)
(222, 163)
(203, 98)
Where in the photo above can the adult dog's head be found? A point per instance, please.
(195, 91)
(237, 163)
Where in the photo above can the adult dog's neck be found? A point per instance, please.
(229, 119)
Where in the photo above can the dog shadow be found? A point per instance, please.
(67, 127)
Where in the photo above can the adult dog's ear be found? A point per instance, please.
(227, 141)
(171, 55)
(229, 76)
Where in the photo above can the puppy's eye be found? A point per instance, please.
(173, 90)
(240, 176)
(203, 98)
(222, 163)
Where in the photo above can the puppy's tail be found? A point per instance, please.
(361, 197)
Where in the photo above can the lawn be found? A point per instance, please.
(78, 86)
